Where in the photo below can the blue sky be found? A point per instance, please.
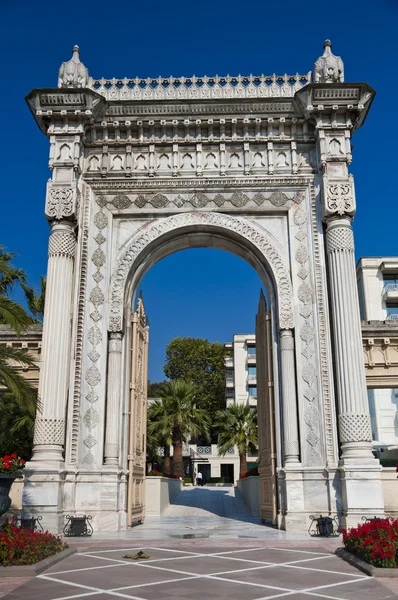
(202, 292)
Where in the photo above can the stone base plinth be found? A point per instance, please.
(362, 493)
(55, 493)
(43, 495)
(307, 491)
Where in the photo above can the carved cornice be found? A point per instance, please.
(266, 107)
(164, 183)
(320, 101)
(75, 106)
(249, 233)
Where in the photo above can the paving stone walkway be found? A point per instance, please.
(211, 572)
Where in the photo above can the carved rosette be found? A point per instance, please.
(307, 336)
(339, 198)
(96, 299)
(60, 202)
(256, 237)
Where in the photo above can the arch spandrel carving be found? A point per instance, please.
(252, 236)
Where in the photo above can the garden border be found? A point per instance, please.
(32, 570)
(365, 567)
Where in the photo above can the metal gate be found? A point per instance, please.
(266, 414)
(138, 411)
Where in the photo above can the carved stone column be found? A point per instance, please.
(49, 436)
(354, 418)
(289, 397)
(112, 434)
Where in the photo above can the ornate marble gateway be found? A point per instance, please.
(141, 168)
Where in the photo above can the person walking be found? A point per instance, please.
(199, 479)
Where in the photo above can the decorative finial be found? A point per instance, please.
(328, 68)
(73, 74)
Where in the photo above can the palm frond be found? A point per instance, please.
(12, 314)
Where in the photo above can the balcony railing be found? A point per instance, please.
(252, 378)
(392, 316)
(390, 287)
(203, 449)
(251, 357)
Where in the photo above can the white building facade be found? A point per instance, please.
(378, 298)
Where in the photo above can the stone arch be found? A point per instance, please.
(251, 236)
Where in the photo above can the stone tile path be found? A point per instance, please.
(208, 512)
(209, 572)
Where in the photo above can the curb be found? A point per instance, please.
(364, 566)
(32, 570)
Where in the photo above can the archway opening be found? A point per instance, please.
(208, 293)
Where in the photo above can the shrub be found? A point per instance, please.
(218, 480)
(375, 542)
(24, 547)
(160, 474)
(187, 480)
(250, 473)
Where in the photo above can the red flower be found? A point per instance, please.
(6, 466)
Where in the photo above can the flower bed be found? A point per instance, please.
(375, 542)
(11, 463)
(24, 547)
(250, 473)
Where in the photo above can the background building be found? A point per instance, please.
(378, 300)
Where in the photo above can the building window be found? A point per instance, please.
(251, 350)
(252, 371)
(253, 392)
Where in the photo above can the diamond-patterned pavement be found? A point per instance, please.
(183, 572)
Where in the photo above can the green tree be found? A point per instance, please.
(237, 426)
(17, 425)
(154, 388)
(176, 416)
(201, 362)
(158, 436)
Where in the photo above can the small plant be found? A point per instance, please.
(11, 463)
(139, 556)
(24, 547)
(376, 542)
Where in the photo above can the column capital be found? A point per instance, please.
(115, 342)
(287, 339)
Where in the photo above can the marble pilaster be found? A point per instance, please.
(289, 392)
(113, 399)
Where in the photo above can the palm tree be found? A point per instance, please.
(176, 416)
(35, 300)
(21, 393)
(237, 426)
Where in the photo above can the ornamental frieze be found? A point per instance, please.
(236, 199)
